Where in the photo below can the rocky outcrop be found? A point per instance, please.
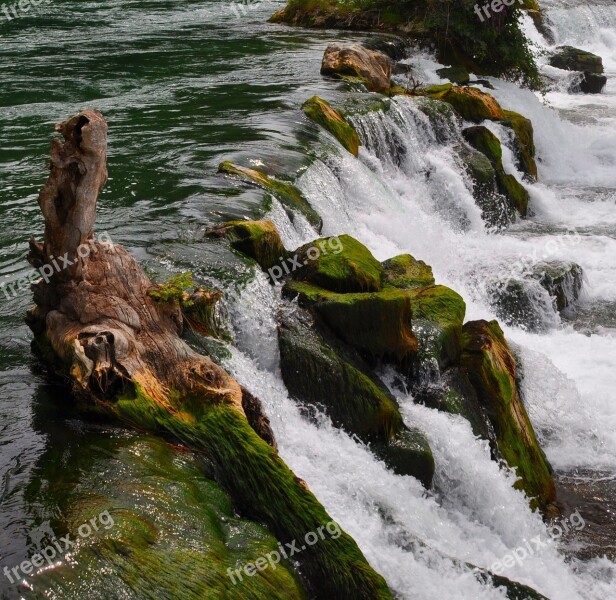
(288, 195)
(321, 112)
(589, 65)
(491, 368)
(259, 240)
(371, 67)
(483, 140)
(470, 103)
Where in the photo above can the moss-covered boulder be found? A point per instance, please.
(378, 324)
(340, 264)
(259, 240)
(406, 272)
(470, 103)
(321, 112)
(287, 194)
(319, 369)
(491, 369)
(483, 140)
(162, 527)
(574, 59)
(371, 66)
(524, 143)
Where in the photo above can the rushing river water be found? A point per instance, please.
(185, 85)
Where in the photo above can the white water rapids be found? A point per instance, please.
(421, 204)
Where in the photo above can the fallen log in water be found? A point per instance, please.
(96, 323)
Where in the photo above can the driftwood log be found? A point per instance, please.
(95, 323)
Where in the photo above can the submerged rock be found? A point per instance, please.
(319, 111)
(289, 196)
(257, 239)
(372, 67)
(492, 370)
(483, 140)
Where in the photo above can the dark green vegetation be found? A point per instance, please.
(495, 47)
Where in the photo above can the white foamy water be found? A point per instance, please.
(408, 193)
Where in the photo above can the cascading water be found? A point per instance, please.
(409, 193)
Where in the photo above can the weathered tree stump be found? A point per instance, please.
(123, 354)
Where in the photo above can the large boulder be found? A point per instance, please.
(491, 368)
(483, 140)
(406, 272)
(590, 65)
(470, 103)
(321, 112)
(320, 370)
(353, 60)
(287, 194)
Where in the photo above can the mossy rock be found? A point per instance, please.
(470, 103)
(346, 266)
(456, 74)
(378, 324)
(321, 370)
(406, 272)
(262, 486)
(438, 315)
(289, 196)
(524, 143)
(562, 280)
(408, 453)
(200, 312)
(574, 59)
(317, 368)
(322, 113)
(496, 210)
(170, 528)
(492, 370)
(483, 140)
(259, 240)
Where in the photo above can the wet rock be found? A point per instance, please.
(492, 371)
(457, 75)
(373, 68)
(321, 112)
(406, 272)
(470, 103)
(289, 196)
(524, 143)
(259, 240)
(483, 140)
(590, 65)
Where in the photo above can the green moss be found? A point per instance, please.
(483, 140)
(492, 371)
(321, 112)
(173, 531)
(406, 272)
(262, 487)
(289, 196)
(344, 266)
(470, 103)
(259, 240)
(524, 143)
(320, 370)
